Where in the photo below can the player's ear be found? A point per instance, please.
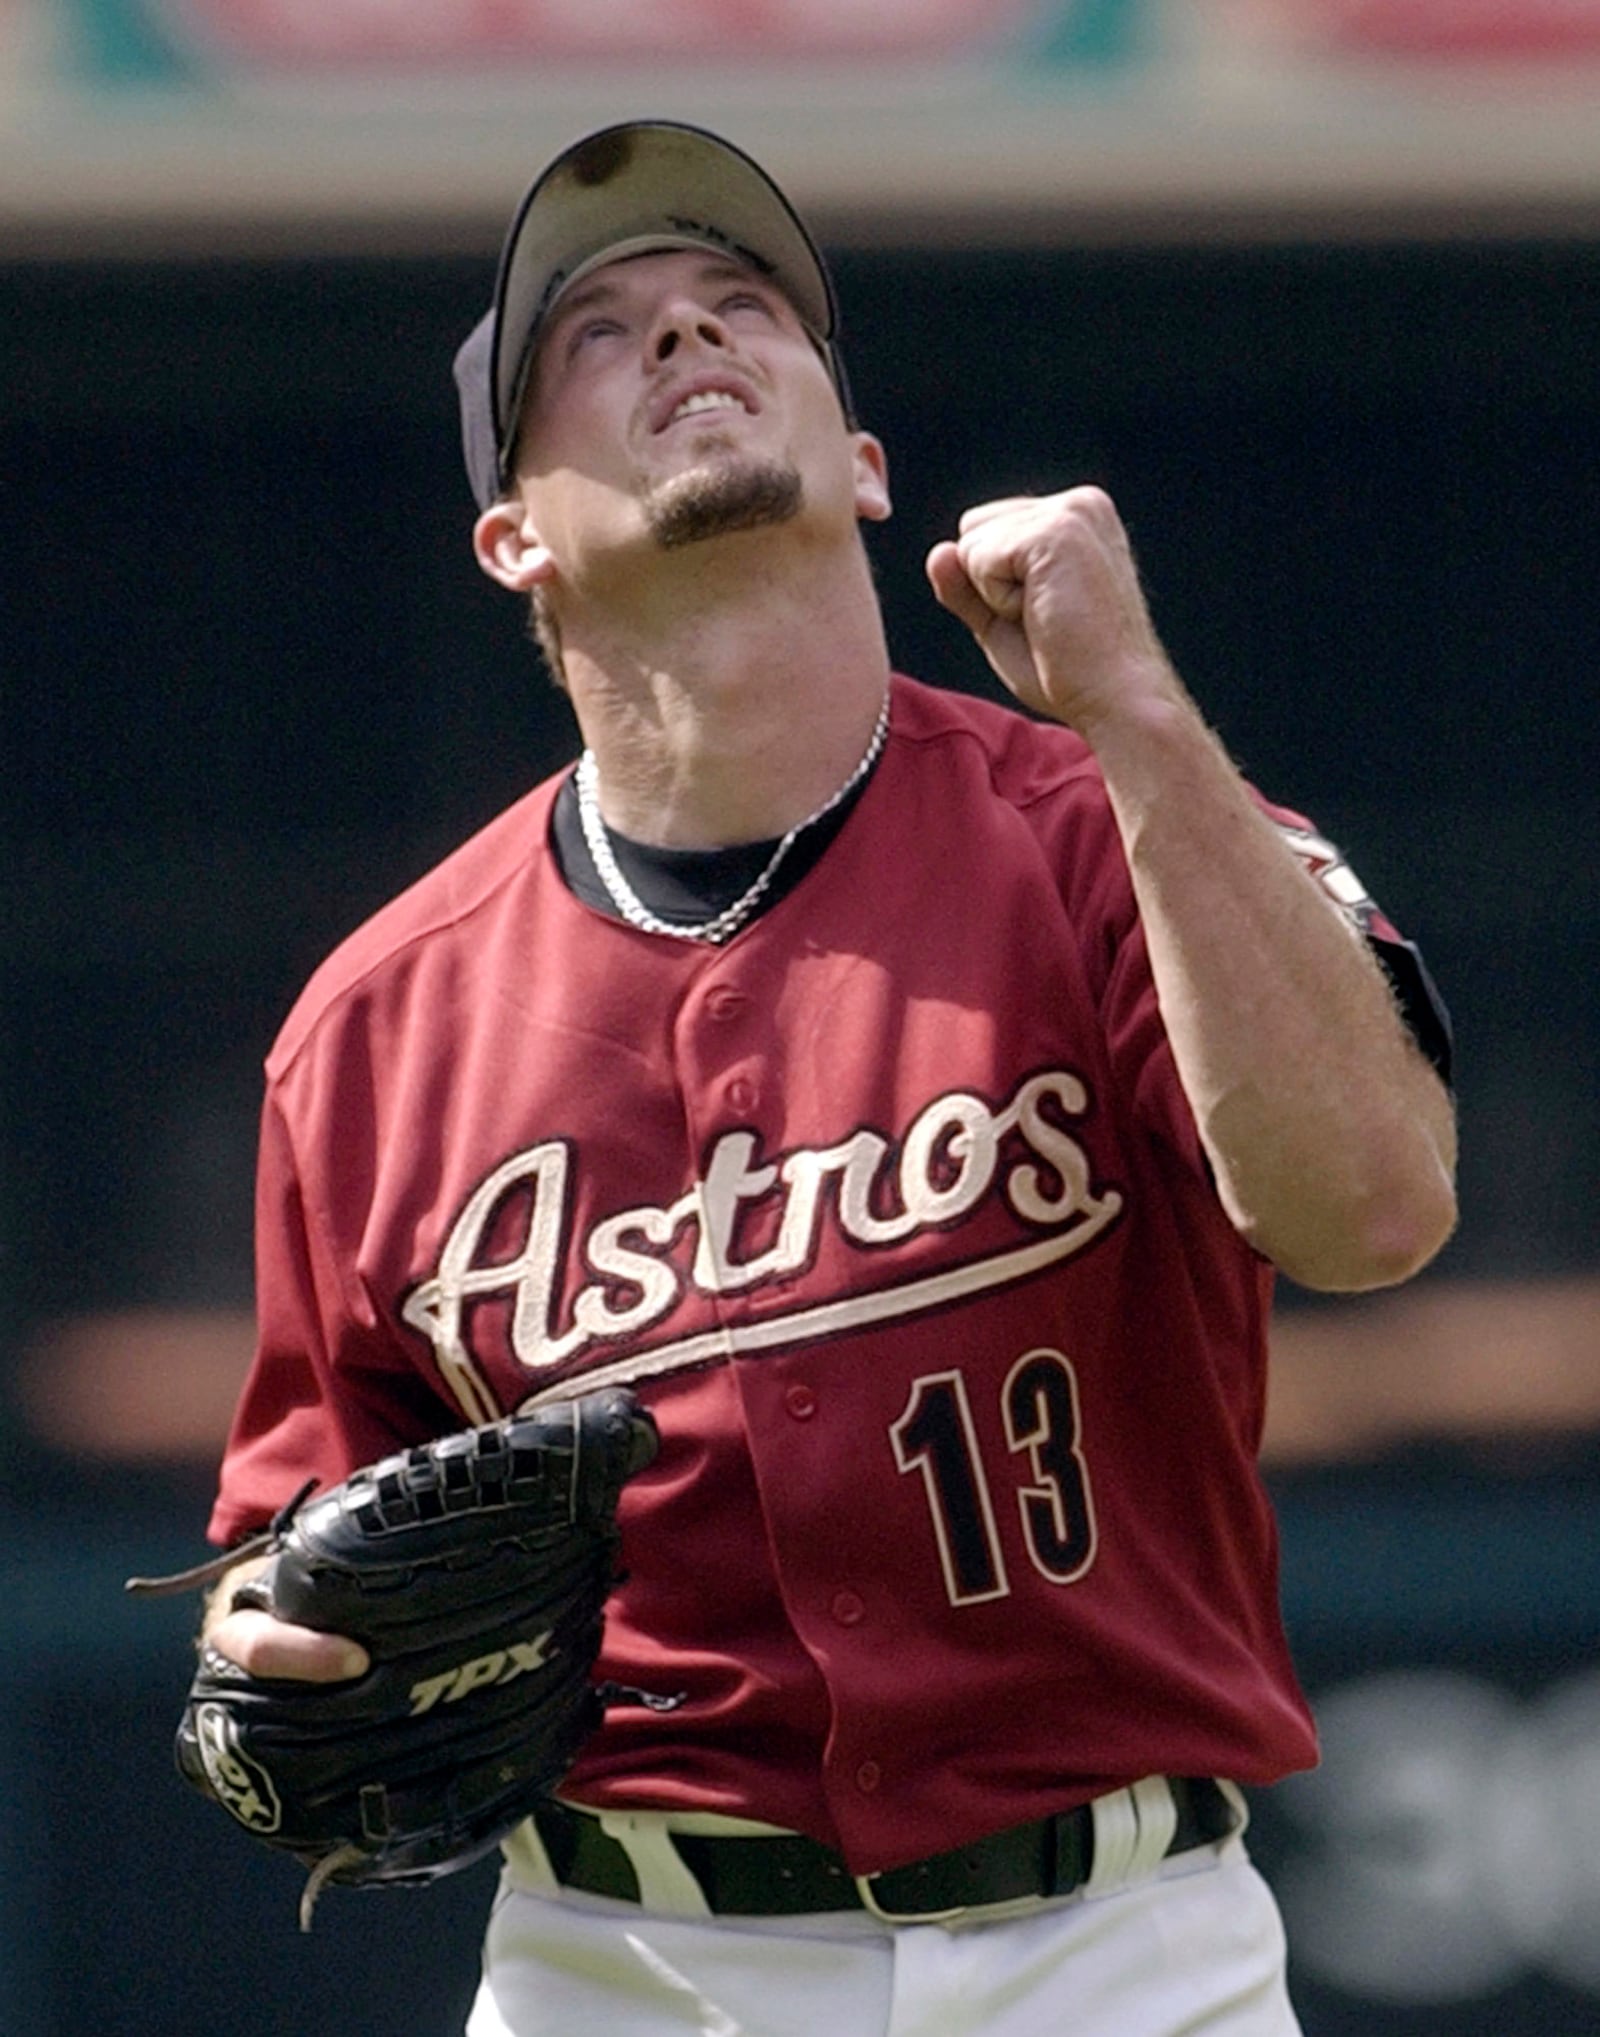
(872, 478)
(507, 547)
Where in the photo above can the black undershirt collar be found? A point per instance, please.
(688, 886)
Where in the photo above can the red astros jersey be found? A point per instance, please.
(895, 1214)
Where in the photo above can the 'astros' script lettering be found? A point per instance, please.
(948, 1162)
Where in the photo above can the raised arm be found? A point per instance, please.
(1331, 1138)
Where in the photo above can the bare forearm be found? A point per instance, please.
(1332, 1141)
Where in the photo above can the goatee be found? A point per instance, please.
(715, 500)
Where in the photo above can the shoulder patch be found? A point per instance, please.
(1326, 863)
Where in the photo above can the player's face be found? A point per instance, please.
(675, 397)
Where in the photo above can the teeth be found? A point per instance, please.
(710, 399)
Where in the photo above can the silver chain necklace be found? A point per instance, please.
(727, 922)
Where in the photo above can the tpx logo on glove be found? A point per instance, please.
(239, 1784)
(503, 1665)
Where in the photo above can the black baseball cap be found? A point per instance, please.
(627, 189)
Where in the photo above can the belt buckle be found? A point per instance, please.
(870, 1903)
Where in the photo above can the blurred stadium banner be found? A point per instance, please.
(1507, 1363)
(124, 34)
(963, 116)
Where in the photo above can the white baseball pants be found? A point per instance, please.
(1194, 1950)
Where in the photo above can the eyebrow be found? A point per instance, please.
(602, 288)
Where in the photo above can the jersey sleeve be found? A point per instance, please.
(1100, 893)
(1424, 1011)
(328, 1390)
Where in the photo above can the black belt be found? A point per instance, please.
(789, 1875)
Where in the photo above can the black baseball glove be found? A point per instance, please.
(474, 1571)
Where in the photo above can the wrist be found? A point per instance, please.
(1145, 710)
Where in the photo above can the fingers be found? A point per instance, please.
(986, 611)
(954, 590)
(986, 512)
(1048, 586)
(980, 574)
(1069, 548)
(1089, 502)
(268, 1647)
(999, 542)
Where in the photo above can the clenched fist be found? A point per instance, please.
(1048, 587)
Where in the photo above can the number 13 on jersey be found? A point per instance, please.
(936, 1435)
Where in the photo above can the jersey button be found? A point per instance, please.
(868, 1776)
(848, 1609)
(801, 1402)
(743, 1095)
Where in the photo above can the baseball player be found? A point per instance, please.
(910, 1100)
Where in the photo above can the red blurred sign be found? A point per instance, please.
(1465, 28)
(443, 32)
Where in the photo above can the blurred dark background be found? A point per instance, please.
(253, 683)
